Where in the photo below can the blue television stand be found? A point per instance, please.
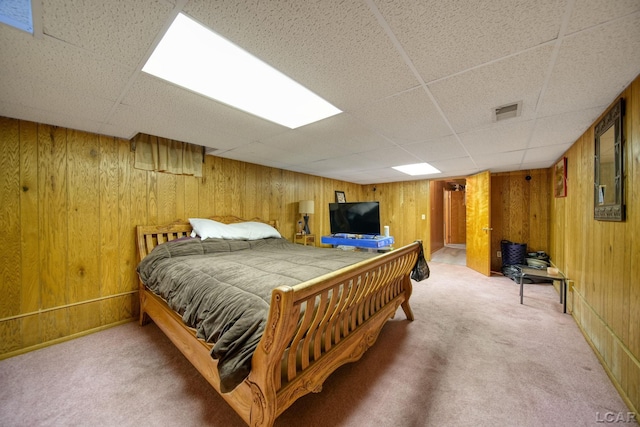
(362, 241)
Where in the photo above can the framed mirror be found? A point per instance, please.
(609, 177)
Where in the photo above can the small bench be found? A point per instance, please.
(537, 273)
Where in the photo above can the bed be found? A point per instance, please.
(311, 325)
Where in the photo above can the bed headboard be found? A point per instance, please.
(150, 236)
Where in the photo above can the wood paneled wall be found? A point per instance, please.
(602, 259)
(402, 205)
(436, 205)
(520, 210)
(69, 203)
(456, 213)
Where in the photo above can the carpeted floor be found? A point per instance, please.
(473, 357)
(451, 254)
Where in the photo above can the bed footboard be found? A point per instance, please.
(320, 325)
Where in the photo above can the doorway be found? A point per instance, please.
(448, 221)
(477, 199)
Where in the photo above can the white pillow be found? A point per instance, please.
(252, 230)
(208, 228)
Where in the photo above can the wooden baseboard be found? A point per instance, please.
(633, 362)
(63, 339)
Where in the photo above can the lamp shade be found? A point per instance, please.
(305, 207)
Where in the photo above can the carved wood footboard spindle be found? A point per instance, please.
(320, 325)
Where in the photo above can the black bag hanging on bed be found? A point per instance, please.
(421, 269)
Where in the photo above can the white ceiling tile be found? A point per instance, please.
(72, 120)
(255, 153)
(439, 149)
(502, 138)
(299, 150)
(560, 129)
(542, 154)
(352, 162)
(390, 157)
(469, 99)
(465, 34)
(374, 176)
(495, 160)
(118, 30)
(451, 167)
(49, 63)
(534, 165)
(588, 13)
(342, 130)
(610, 52)
(407, 117)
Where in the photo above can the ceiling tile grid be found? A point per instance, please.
(460, 166)
(448, 147)
(589, 13)
(444, 38)
(407, 117)
(49, 74)
(606, 53)
(340, 163)
(55, 116)
(333, 47)
(559, 129)
(120, 31)
(417, 80)
(502, 138)
(539, 156)
(469, 99)
(511, 159)
(342, 130)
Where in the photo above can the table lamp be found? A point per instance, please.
(306, 208)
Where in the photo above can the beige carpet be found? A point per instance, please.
(451, 254)
(473, 357)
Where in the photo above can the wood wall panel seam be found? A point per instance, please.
(61, 307)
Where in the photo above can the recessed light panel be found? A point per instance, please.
(194, 57)
(417, 169)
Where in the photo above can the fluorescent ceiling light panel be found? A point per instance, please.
(194, 57)
(417, 169)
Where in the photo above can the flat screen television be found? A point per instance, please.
(355, 218)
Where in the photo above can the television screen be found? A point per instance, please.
(355, 218)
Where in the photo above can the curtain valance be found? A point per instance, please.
(167, 155)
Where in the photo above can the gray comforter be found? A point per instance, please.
(222, 288)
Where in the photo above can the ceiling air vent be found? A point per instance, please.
(507, 111)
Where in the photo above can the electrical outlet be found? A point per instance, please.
(424, 216)
(499, 254)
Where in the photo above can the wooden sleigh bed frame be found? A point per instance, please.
(341, 328)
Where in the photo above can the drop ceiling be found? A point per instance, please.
(417, 80)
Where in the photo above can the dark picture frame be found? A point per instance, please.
(340, 197)
(560, 178)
